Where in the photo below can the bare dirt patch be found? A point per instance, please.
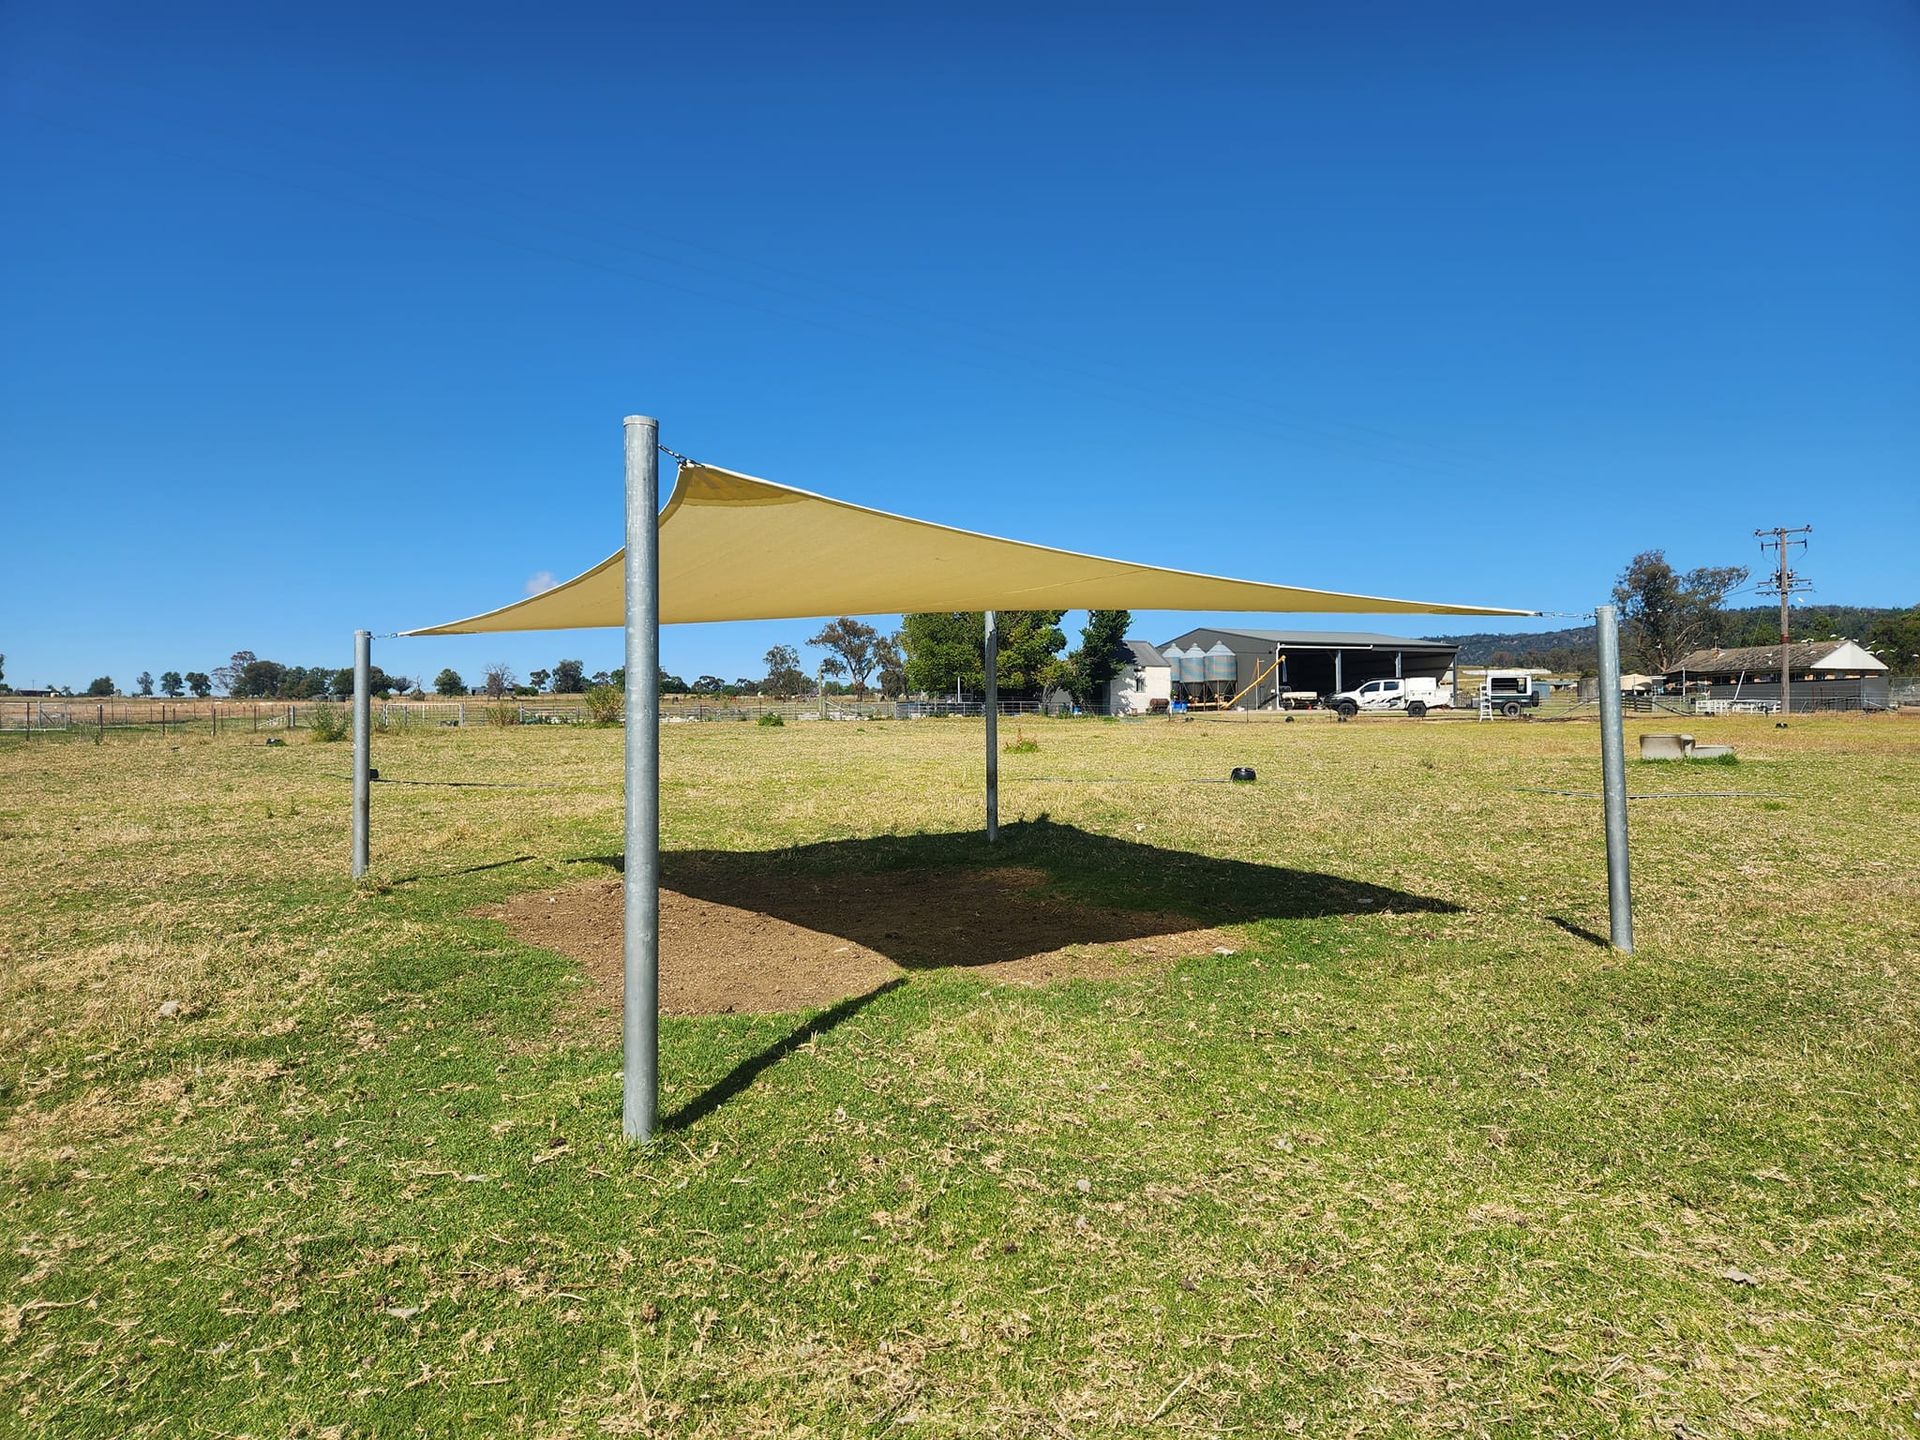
(756, 944)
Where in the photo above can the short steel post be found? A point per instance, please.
(993, 726)
(1613, 765)
(362, 748)
(642, 920)
(1339, 671)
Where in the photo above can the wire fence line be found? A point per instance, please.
(70, 714)
(215, 717)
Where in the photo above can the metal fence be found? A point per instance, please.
(212, 717)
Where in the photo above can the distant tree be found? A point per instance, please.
(850, 642)
(538, 679)
(171, 684)
(890, 666)
(200, 683)
(228, 676)
(744, 686)
(145, 681)
(378, 683)
(601, 678)
(785, 678)
(102, 686)
(3, 671)
(944, 651)
(303, 682)
(672, 684)
(500, 680)
(1101, 655)
(945, 646)
(709, 685)
(1667, 614)
(1896, 640)
(569, 678)
(617, 677)
(449, 683)
(258, 678)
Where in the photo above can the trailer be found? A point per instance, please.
(1509, 692)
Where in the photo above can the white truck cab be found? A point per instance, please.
(1415, 694)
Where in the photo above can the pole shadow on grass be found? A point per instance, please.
(1579, 932)
(464, 870)
(750, 1069)
(935, 900)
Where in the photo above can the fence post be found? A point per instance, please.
(100, 716)
(362, 743)
(1613, 767)
(993, 725)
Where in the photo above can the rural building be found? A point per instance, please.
(1142, 679)
(1266, 664)
(1827, 675)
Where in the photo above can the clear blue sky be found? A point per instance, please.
(326, 316)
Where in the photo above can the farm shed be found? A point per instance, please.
(1269, 663)
(1827, 675)
(1143, 679)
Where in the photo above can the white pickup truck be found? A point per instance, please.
(1416, 695)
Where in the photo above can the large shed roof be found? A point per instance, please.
(1325, 639)
(1841, 656)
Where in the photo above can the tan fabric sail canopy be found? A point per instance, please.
(736, 548)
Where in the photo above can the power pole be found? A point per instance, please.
(1786, 584)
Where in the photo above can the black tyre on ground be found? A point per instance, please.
(1417, 709)
(1347, 709)
(1511, 709)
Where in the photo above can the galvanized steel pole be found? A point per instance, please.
(642, 920)
(362, 743)
(1613, 765)
(993, 726)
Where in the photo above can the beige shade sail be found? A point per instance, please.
(736, 548)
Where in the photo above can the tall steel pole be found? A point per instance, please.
(1613, 766)
(642, 897)
(362, 748)
(993, 726)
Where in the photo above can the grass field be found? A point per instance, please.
(282, 1156)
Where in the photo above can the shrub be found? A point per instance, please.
(1024, 745)
(501, 713)
(606, 704)
(770, 718)
(329, 723)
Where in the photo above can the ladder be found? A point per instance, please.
(1486, 704)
